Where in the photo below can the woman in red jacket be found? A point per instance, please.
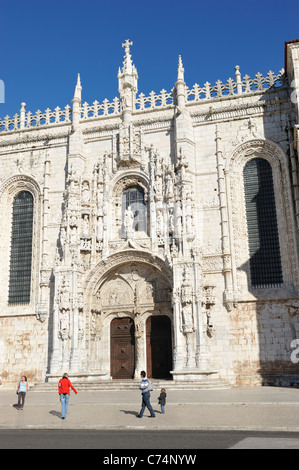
(64, 393)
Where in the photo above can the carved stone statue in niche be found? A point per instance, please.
(174, 249)
(187, 303)
(126, 99)
(159, 222)
(96, 323)
(128, 222)
(169, 184)
(73, 180)
(73, 236)
(64, 294)
(187, 316)
(85, 192)
(181, 161)
(170, 222)
(81, 325)
(64, 324)
(138, 325)
(73, 219)
(85, 225)
(209, 301)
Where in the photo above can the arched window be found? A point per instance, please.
(134, 197)
(263, 237)
(21, 249)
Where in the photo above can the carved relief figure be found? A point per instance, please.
(128, 222)
(85, 192)
(187, 303)
(64, 324)
(85, 225)
(64, 294)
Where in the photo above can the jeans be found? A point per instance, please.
(162, 409)
(21, 399)
(64, 399)
(146, 403)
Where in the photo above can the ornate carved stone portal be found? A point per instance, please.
(134, 291)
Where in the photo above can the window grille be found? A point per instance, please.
(134, 197)
(21, 249)
(263, 237)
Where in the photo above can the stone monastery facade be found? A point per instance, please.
(154, 232)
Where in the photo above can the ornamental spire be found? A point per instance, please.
(127, 83)
(76, 103)
(78, 88)
(128, 66)
(180, 69)
(180, 87)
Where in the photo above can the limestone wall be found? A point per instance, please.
(23, 349)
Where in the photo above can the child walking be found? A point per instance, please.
(162, 400)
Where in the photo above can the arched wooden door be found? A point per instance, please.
(122, 335)
(158, 347)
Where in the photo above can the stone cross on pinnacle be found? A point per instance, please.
(127, 45)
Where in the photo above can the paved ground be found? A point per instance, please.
(149, 446)
(256, 408)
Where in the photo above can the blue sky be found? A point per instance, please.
(45, 43)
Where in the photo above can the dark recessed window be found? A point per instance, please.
(263, 238)
(21, 249)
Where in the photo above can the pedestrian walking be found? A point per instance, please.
(64, 386)
(162, 400)
(22, 389)
(145, 394)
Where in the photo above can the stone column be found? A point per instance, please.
(140, 345)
